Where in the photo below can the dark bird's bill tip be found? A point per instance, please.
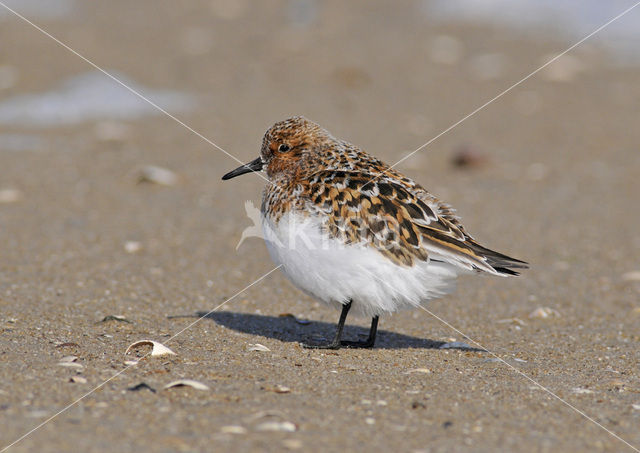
(254, 165)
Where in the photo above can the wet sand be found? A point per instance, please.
(557, 186)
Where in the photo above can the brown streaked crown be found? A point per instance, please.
(291, 146)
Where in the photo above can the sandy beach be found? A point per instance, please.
(115, 227)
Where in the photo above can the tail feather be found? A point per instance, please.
(502, 264)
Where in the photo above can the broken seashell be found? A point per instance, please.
(71, 365)
(258, 347)
(581, 391)
(418, 370)
(158, 348)
(287, 427)
(69, 358)
(187, 383)
(114, 318)
(141, 386)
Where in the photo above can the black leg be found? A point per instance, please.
(369, 342)
(336, 343)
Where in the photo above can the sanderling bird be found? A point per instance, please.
(351, 231)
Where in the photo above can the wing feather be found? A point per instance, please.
(400, 219)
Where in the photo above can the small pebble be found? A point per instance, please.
(10, 196)
(132, 246)
(157, 175)
(233, 429)
(633, 276)
(466, 156)
(544, 313)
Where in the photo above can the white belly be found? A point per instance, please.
(335, 273)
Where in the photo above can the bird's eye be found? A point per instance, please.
(283, 148)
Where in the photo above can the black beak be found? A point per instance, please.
(254, 165)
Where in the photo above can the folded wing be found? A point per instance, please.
(399, 219)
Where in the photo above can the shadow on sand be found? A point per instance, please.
(286, 328)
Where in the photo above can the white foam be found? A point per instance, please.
(86, 97)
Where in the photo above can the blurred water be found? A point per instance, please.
(38, 9)
(87, 97)
(570, 19)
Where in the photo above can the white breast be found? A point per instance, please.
(335, 273)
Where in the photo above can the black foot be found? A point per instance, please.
(332, 345)
(367, 344)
